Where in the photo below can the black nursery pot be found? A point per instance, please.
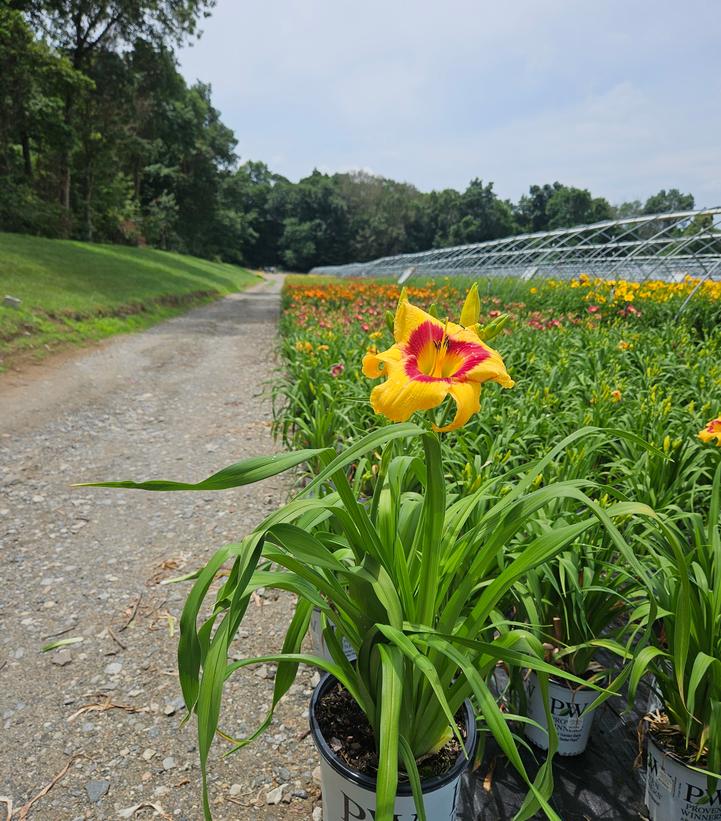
(349, 795)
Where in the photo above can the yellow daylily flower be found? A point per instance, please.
(712, 432)
(429, 361)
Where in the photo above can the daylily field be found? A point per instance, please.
(592, 352)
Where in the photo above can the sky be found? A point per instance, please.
(621, 97)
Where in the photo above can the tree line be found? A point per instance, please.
(102, 139)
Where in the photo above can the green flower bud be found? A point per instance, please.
(493, 328)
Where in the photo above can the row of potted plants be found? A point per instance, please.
(418, 596)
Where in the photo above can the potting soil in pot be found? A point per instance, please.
(348, 764)
(346, 729)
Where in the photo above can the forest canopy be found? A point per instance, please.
(102, 139)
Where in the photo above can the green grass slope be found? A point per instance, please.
(73, 292)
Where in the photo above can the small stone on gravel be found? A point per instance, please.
(113, 668)
(148, 754)
(316, 775)
(96, 790)
(173, 706)
(318, 814)
(275, 796)
(235, 789)
(62, 658)
(168, 763)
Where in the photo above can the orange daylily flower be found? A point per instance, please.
(712, 432)
(431, 360)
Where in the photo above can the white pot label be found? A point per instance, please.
(675, 792)
(654, 701)
(345, 801)
(567, 708)
(320, 648)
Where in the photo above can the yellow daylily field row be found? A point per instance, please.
(621, 291)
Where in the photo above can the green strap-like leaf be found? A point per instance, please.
(303, 658)
(428, 539)
(390, 709)
(287, 670)
(701, 665)
(241, 473)
(210, 695)
(372, 440)
(189, 647)
(429, 672)
(413, 776)
(640, 666)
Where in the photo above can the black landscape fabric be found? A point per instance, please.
(603, 784)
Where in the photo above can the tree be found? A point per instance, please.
(482, 216)
(34, 82)
(531, 213)
(256, 192)
(385, 217)
(445, 212)
(300, 242)
(80, 29)
(671, 200)
(315, 224)
(633, 208)
(569, 207)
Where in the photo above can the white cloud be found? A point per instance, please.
(621, 98)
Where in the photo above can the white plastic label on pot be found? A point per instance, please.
(320, 648)
(654, 704)
(567, 706)
(344, 800)
(676, 793)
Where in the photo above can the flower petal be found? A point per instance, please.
(372, 362)
(467, 396)
(407, 319)
(712, 432)
(399, 397)
(490, 369)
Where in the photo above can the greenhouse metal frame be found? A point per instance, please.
(667, 246)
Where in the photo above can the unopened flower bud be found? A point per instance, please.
(493, 328)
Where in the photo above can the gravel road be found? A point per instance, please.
(103, 716)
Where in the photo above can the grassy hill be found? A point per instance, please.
(72, 292)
